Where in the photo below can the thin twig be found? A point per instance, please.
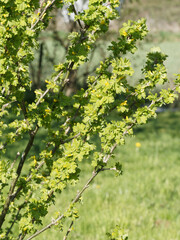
(21, 236)
(68, 231)
(109, 169)
(79, 22)
(17, 155)
(106, 157)
(47, 90)
(18, 172)
(55, 221)
(6, 105)
(3, 145)
(17, 214)
(3, 91)
(42, 14)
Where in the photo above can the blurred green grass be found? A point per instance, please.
(144, 200)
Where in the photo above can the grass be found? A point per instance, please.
(145, 200)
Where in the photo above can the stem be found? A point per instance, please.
(18, 172)
(17, 214)
(77, 197)
(79, 22)
(21, 237)
(106, 157)
(68, 231)
(38, 83)
(47, 90)
(42, 14)
(17, 155)
(6, 105)
(12, 224)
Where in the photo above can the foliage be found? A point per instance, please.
(117, 234)
(31, 182)
(144, 200)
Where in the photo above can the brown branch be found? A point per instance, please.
(3, 91)
(21, 236)
(68, 231)
(106, 157)
(79, 194)
(18, 172)
(55, 221)
(40, 65)
(79, 22)
(17, 214)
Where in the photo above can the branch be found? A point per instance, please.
(17, 155)
(79, 194)
(18, 172)
(79, 22)
(68, 231)
(77, 197)
(17, 214)
(3, 91)
(42, 14)
(109, 169)
(55, 221)
(21, 236)
(106, 157)
(6, 105)
(48, 89)
(40, 65)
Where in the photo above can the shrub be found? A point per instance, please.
(31, 180)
